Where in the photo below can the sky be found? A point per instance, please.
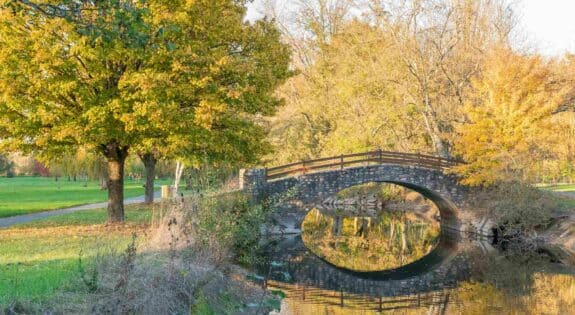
(549, 24)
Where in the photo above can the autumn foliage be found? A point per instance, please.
(508, 128)
(436, 77)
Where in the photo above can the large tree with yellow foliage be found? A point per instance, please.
(509, 127)
(171, 78)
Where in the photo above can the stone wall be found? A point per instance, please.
(253, 183)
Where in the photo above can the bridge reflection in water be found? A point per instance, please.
(306, 300)
(364, 256)
(458, 277)
(373, 246)
(303, 276)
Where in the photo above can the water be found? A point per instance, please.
(369, 244)
(398, 261)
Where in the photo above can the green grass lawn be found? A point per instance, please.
(21, 195)
(563, 188)
(565, 201)
(38, 258)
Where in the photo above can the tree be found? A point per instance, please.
(81, 162)
(6, 166)
(442, 45)
(508, 127)
(228, 81)
(395, 76)
(346, 102)
(121, 75)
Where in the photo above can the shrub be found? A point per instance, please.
(234, 223)
(519, 212)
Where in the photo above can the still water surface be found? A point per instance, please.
(398, 261)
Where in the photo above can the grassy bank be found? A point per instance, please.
(38, 258)
(169, 270)
(21, 195)
(566, 193)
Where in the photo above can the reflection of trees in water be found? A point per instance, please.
(388, 241)
(549, 294)
(527, 283)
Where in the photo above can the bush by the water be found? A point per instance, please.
(519, 211)
(235, 223)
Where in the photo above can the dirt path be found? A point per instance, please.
(7, 222)
(568, 194)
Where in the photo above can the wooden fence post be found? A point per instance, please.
(341, 162)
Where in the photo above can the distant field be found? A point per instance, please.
(563, 188)
(568, 193)
(38, 258)
(21, 195)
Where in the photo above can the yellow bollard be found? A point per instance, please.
(165, 192)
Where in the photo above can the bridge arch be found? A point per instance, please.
(311, 182)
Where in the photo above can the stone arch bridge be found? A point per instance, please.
(311, 182)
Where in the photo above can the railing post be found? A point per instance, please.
(380, 156)
(341, 162)
(303, 167)
(418, 299)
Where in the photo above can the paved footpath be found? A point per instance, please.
(7, 222)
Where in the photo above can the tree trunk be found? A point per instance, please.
(116, 158)
(103, 183)
(433, 131)
(391, 233)
(150, 165)
(177, 177)
(189, 178)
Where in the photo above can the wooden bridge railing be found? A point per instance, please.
(357, 159)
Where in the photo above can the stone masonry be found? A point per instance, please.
(311, 189)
